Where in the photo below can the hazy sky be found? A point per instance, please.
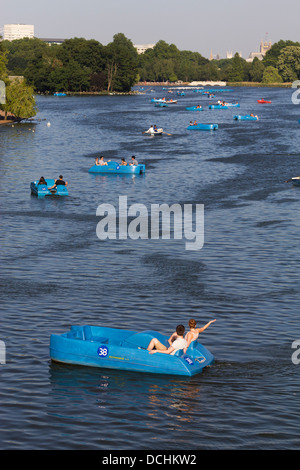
(196, 25)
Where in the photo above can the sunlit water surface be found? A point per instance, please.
(55, 273)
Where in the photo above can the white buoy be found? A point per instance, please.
(48, 124)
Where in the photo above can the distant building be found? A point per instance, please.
(141, 48)
(212, 56)
(230, 55)
(51, 41)
(18, 31)
(264, 47)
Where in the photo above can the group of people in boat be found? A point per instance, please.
(100, 161)
(152, 130)
(177, 340)
(59, 181)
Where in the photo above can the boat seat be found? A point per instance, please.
(99, 339)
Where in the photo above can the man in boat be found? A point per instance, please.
(59, 182)
(101, 161)
(150, 130)
(133, 161)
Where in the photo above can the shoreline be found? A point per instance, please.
(234, 84)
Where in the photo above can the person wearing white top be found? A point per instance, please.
(179, 343)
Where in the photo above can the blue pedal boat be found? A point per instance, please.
(232, 105)
(217, 106)
(246, 117)
(194, 108)
(113, 348)
(161, 104)
(41, 190)
(203, 127)
(117, 168)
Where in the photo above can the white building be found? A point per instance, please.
(264, 47)
(141, 48)
(18, 31)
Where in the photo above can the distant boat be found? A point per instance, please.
(42, 190)
(152, 131)
(60, 94)
(203, 127)
(117, 168)
(263, 101)
(161, 104)
(194, 108)
(217, 106)
(246, 117)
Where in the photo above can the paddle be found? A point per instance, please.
(167, 133)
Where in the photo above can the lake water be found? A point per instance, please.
(55, 272)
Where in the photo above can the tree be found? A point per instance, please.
(236, 73)
(69, 77)
(271, 75)
(289, 63)
(20, 100)
(121, 64)
(272, 55)
(256, 70)
(3, 62)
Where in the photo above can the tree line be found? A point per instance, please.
(77, 65)
(80, 65)
(281, 63)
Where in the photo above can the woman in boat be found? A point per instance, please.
(123, 162)
(194, 332)
(42, 180)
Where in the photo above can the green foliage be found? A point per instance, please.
(121, 64)
(236, 74)
(271, 75)
(166, 63)
(20, 100)
(272, 55)
(256, 70)
(3, 62)
(289, 63)
(81, 65)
